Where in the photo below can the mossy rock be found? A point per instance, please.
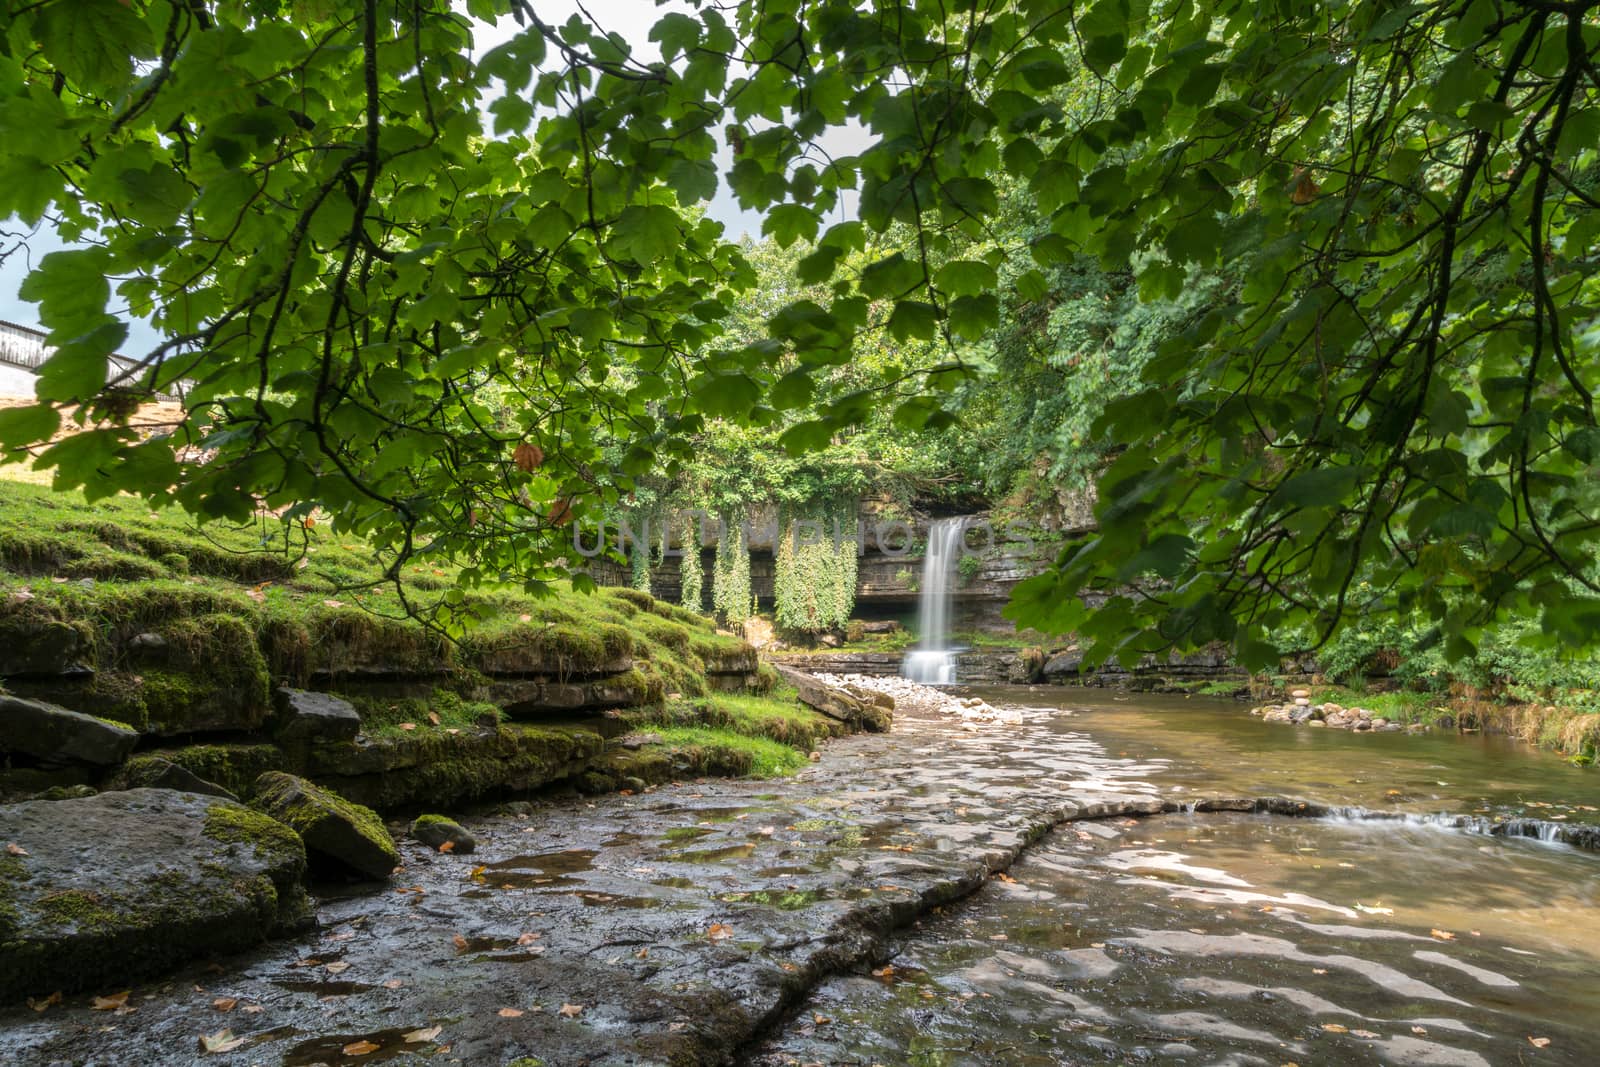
(336, 831)
(155, 772)
(437, 831)
(233, 767)
(128, 884)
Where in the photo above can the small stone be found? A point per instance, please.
(436, 830)
(1302, 702)
(1300, 694)
(304, 715)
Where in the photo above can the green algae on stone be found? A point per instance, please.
(126, 884)
(347, 834)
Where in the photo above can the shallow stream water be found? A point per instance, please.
(853, 914)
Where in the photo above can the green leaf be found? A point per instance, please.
(32, 424)
(646, 233)
(973, 316)
(71, 289)
(78, 369)
(913, 320)
(93, 42)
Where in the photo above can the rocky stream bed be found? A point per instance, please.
(986, 884)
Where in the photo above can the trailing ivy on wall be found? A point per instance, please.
(639, 552)
(730, 576)
(815, 573)
(691, 572)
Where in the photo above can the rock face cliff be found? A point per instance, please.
(889, 569)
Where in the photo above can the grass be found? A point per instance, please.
(768, 759)
(312, 601)
(775, 716)
(1573, 731)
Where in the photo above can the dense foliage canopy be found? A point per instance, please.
(1346, 251)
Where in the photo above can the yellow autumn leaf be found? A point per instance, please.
(360, 1048)
(221, 1041)
(509, 1013)
(418, 1037)
(111, 1003)
(571, 1011)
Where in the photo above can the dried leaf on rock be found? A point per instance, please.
(221, 1041)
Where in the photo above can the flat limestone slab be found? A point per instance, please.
(101, 891)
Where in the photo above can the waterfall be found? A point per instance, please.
(932, 662)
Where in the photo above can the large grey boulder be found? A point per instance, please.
(344, 834)
(304, 716)
(105, 890)
(53, 734)
(837, 703)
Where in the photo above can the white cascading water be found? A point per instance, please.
(932, 662)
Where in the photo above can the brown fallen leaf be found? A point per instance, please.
(14, 849)
(252, 1009)
(571, 1011)
(1419, 1030)
(886, 971)
(224, 1003)
(418, 1037)
(528, 938)
(433, 717)
(1539, 1042)
(393, 983)
(1335, 1028)
(1002, 876)
(1365, 1033)
(334, 603)
(509, 1013)
(338, 968)
(447, 846)
(360, 1048)
(41, 1003)
(408, 726)
(459, 942)
(642, 954)
(719, 932)
(111, 1003)
(1443, 935)
(221, 1041)
(820, 1020)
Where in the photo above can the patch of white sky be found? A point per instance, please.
(630, 19)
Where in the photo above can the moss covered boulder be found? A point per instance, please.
(105, 890)
(437, 831)
(336, 831)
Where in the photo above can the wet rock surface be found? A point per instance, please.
(679, 925)
(103, 890)
(671, 925)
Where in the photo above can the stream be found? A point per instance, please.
(1038, 891)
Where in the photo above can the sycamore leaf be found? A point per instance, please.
(12, 848)
(223, 1003)
(221, 1041)
(41, 1003)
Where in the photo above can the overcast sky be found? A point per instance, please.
(631, 18)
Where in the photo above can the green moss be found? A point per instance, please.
(766, 759)
(432, 820)
(776, 716)
(302, 817)
(234, 767)
(234, 824)
(12, 873)
(81, 908)
(381, 718)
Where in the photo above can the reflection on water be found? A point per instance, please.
(1214, 744)
(1238, 939)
